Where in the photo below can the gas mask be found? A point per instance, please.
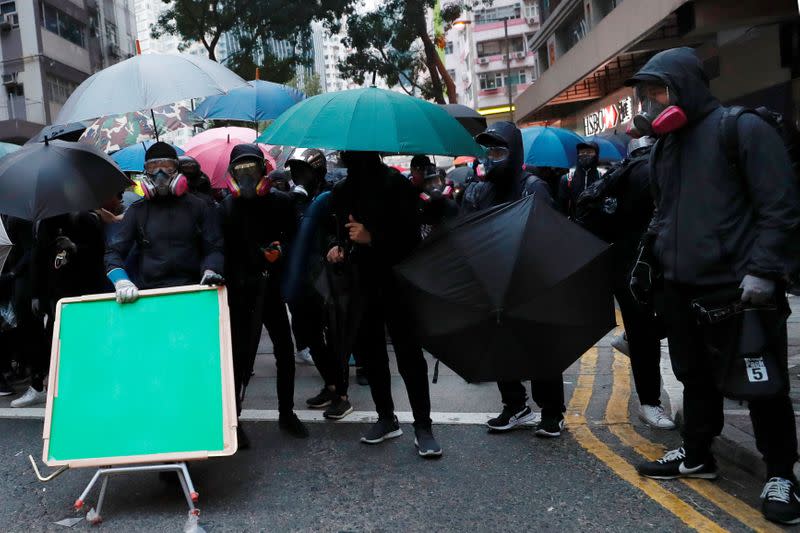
(656, 118)
(247, 179)
(162, 179)
(496, 164)
(587, 161)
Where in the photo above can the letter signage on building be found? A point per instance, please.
(609, 117)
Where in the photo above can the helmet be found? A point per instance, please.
(639, 146)
(189, 166)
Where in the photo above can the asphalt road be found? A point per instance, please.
(331, 482)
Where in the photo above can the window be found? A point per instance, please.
(517, 77)
(494, 48)
(497, 14)
(59, 88)
(66, 27)
(532, 12)
(448, 47)
(490, 80)
(10, 8)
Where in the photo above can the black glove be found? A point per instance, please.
(212, 278)
(64, 244)
(643, 273)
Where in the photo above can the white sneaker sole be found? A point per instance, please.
(339, 416)
(427, 453)
(301, 361)
(391, 435)
(7, 393)
(512, 423)
(319, 406)
(698, 475)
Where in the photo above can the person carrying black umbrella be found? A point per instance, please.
(505, 181)
(376, 209)
(259, 225)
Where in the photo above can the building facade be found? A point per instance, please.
(588, 48)
(47, 48)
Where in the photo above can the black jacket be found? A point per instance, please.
(571, 187)
(250, 225)
(178, 239)
(387, 204)
(711, 225)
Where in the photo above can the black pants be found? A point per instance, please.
(644, 339)
(547, 393)
(308, 325)
(247, 317)
(773, 418)
(385, 305)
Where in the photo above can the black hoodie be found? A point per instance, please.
(712, 225)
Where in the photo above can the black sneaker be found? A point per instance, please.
(550, 427)
(781, 501)
(339, 409)
(361, 376)
(673, 466)
(323, 399)
(5, 388)
(381, 430)
(426, 444)
(509, 419)
(242, 438)
(293, 426)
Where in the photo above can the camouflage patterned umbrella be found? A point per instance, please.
(116, 132)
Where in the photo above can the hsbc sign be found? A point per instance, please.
(609, 117)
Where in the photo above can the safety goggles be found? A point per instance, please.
(247, 170)
(652, 96)
(497, 153)
(167, 165)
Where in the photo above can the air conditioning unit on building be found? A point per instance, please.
(532, 22)
(10, 80)
(519, 55)
(483, 60)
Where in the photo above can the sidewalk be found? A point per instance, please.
(737, 443)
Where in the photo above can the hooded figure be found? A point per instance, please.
(199, 182)
(577, 181)
(716, 229)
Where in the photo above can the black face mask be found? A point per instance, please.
(587, 161)
(161, 182)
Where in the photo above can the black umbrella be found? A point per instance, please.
(514, 292)
(472, 121)
(65, 132)
(43, 180)
(461, 175)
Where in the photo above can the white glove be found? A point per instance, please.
(757, 291)
(126, 291)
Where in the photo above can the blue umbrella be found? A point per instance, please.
(609, 150)
(550, 147)
(131, 159)
(258, 100)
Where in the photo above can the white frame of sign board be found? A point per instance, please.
(229, 417)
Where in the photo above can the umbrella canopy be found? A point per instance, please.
(145, 82)
(372, 120)
(609, 150)
(43, 180)
(7, 148)
(120, 131)
(214, 158)
(506, 310)
(231, 133)
(461, 175)
(620, 139)
(258, 100)
(463, 160)
(65, 132)
(550, 147)
(131, 159)
(472, 121)
(5, 245)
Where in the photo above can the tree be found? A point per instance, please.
(251, 24)
(394, 42)
(313, 85)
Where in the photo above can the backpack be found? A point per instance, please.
(729, 135)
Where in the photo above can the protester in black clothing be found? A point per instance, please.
(618, 208)
(436, 202)
(259, 225)
(505, 181)
(574, 183)
(308, 170)
(199, 183)
(178, 234)
(718, 225)
(376, 208)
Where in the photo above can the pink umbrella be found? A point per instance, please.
(214, 157)
(233, 134)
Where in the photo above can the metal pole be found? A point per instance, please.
(508, 70)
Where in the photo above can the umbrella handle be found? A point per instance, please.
(155, 126)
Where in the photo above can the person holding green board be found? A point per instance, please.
(179, 235)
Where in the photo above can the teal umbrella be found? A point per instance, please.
(371, 120)
(7, 148)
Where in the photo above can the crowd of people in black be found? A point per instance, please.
(685, 222)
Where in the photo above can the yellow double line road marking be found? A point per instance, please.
(584, 436)
(618, 422)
